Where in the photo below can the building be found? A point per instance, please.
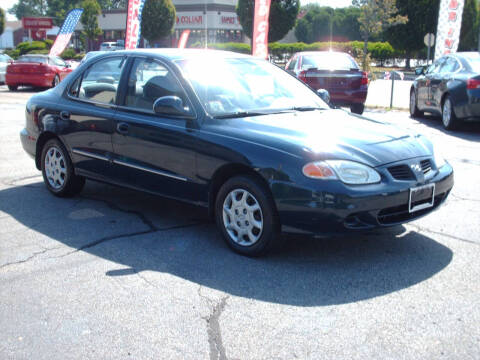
(211, 20)
(14, 34)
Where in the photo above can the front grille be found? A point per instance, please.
(399, 214)
(401, 172)
(426, 166)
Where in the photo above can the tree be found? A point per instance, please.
(91, 31)
(29, 8)
(58, 9)
(316, 25)
(422, 16)
(158, 19)
(283, 14)
(469, 31)
(345, 23)
(2, 21)
(376, 16)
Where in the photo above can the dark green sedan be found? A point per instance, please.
(237, 135)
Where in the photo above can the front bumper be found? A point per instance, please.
(309, 210)
(40, 80)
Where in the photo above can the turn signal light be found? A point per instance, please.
(318, 170)
(473, 84)
(364, 78)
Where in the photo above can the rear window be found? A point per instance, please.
(32, 59)
(474, 63)
(329, 61)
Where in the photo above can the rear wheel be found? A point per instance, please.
(56, 81)
(12, 87)
(414, 112)
(246, 216)
(57, 170)
(357, 108)
(449, 119)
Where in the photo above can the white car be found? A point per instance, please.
(108, 46)
(5, 60)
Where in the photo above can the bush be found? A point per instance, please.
(43, 52)
(79, 56)
(14, 53)
(68, 54)
(27, 47)
(48, 43)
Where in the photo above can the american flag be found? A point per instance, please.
(66, 31)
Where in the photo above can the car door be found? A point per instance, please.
(88, 109)
(435, 80)
(423, 89)
(440, 85)
(154, 151)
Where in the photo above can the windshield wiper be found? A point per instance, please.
(306, 108)
(240, 114)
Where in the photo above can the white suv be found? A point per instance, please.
(108, 46)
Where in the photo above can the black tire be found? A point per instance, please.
(357, 108)
(72, 184)
(56, 81)
(414, 112)
(449, 122)
(12, 87)
(268, 215)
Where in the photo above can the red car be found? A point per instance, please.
(336, 72)
(36, 70)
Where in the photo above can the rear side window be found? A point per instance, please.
(148, 81)
(100, 81)
(291, 65)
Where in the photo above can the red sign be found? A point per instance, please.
(39, 34)
(134, 17)
(37, 23)
(260, 28)
(190, 19)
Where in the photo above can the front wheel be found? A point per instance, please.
(57, 170)
(414, 112)
(449, 119)
(246, 216)
(357, 108)
(12, 87)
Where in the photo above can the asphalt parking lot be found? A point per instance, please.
(117, 274)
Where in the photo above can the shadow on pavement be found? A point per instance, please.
(142, 232)
(467, 130)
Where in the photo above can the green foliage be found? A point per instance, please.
(316, 25)
(68, 54)
(13, 53)
(48, 43)
(2, 21)
(43, 52)
(29, 8)
(469, 31)
(29, 47)
(158, 19)
(91, 30)
(283, 14)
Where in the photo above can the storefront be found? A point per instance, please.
(214, 21)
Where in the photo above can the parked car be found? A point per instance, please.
(237, 135)
(5, 60)
(108, 46)
(36, 70)
(336, 72)
(91, 54)
(450, 87)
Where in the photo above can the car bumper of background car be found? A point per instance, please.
(305, 210)
(2, 78)
(40, 80)
(348, 97)
(29, 142)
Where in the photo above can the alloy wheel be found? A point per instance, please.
(412, 103)
(447, 113)
(55, 168)
(242, 217)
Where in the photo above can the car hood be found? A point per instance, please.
(329, 134)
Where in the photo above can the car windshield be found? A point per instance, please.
(329, 61)
(32, 59)
(246, 86)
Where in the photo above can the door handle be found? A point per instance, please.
(64, 115)
(122, 128)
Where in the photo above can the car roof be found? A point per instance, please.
(180, 54)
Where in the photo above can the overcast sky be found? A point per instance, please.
(7, 4)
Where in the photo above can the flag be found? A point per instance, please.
(260, 28)
(449, 25)
(134, 19)
(183, 39)
(66, 32)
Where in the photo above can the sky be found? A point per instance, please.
(7, 4)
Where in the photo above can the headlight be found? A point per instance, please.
(349, 172)
(439, 159)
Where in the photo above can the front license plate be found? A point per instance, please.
(421, 197)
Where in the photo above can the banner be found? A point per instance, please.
(449, 25)
(66, 31)
(183, 39)
(260, 29)
(134, 19)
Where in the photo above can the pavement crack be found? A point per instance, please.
(419, 228)
(456, 197)
(14, 182)
(34, 255)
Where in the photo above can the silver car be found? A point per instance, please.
(5, 60)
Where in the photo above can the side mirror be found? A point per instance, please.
(324, 94)
(420, 71)
(170, 105)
